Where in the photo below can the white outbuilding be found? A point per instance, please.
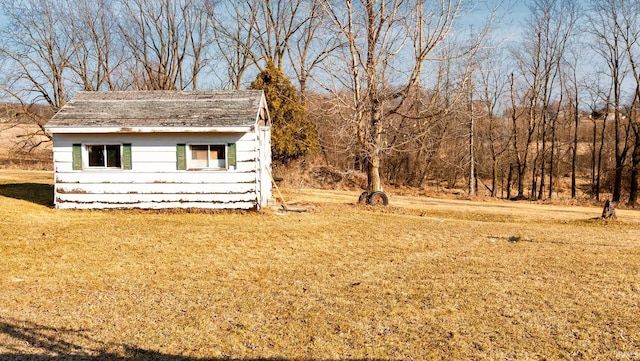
(162, 149)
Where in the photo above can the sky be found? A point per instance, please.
(512, 14)
(508, 29)
(517, 12)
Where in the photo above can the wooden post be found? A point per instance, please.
(273, 181)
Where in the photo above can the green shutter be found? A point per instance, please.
(181, 156)
(231, 156)
(126, 156)
(77, 157)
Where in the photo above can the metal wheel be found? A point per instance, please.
(363, 197)
(378, 199)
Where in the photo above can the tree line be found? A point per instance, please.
(412, 92)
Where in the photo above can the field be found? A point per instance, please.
(424, 279)
(13, 156)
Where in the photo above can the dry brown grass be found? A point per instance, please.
(425, 279)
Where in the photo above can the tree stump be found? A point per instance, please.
(609, 210)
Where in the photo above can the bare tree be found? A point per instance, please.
(233, 23)
(35, 51)
(546, 37)
(311, 44)
(287, 33)
(51, 49)
(573, 88)
(605, 25)
(598, 100)
(491, 87)
(387, 46)
(167, 40)
(628, 27)
(277, 22)
(98, 57)
(523, 127)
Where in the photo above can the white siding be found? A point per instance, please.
(154, 181)
(263, 176)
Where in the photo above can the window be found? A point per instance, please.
(207, 156)
(104, 156)
(101, 156)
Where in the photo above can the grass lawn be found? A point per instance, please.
(425, 279)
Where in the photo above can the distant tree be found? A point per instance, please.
(539, 57)
(492, 88)
(629, 27)
(612, 31)
(573, 89)
(293, 135)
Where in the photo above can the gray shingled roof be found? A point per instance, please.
(160, 108)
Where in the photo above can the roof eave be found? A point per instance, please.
(103, 130)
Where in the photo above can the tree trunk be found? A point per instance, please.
(609, 210)
(574, 156)
(521, 174)
(509, 179)
(620, 149)
(494, 177)
(543, 158)
(633, 181)
(552, 156)
(534, 179)
(599, 166)
(472, 155)
(593, 159)
(576, 123)
(375, 142)
(373, 174)
(633, 187)
(617, 182)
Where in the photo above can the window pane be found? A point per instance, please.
(216, 156)
(199, 152)
(199, 156)
(113, 156)
(96, 155)
(217, 152)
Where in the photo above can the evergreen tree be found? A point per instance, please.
(293, 135)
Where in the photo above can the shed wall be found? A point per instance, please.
(154, 180)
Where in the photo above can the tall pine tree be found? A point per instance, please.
(293, 135)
